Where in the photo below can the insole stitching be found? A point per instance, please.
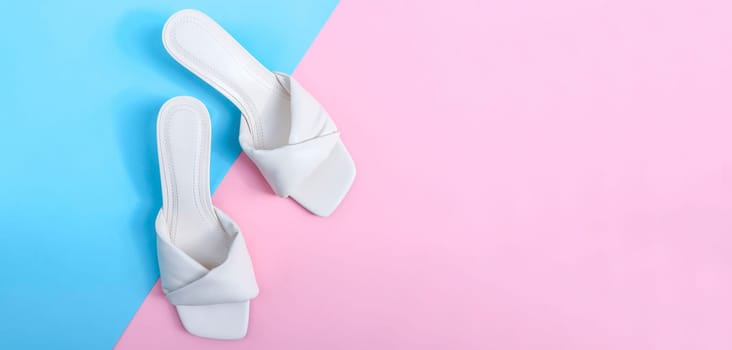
(199, 197)
(244, 104)
(239, 98)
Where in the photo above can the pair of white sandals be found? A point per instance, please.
(205, 268)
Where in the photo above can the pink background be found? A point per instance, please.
(532, 175)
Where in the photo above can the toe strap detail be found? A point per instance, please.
(286, 167)
(186, 282)
(312, 138)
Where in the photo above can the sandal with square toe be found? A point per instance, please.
(284, 130)
(205, 268)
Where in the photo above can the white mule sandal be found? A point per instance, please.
(205, 269)
(284, 130)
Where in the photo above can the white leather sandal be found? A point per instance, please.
(205, 269)
(284, 130)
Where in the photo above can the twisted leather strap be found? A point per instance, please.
(313, 135)
(187, 282)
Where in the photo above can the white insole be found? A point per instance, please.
(309, 161)
(184, 139)
(206, 49)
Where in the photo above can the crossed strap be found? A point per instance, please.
(313, 135)
(187, 282)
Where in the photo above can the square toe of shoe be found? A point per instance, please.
(325, 188)
(217, 321)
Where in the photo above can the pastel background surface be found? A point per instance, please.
(532, 175)
(82, 82)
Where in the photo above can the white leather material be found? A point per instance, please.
(311, 140)
(205, 269)
(186, 282)
(308, 118)
(217, 321)
(286, 167)
(284, 130)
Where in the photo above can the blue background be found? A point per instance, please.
(82, 82)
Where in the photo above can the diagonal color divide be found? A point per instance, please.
(532, 175)
(79, 184)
